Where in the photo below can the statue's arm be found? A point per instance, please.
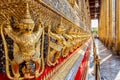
(66, 36)
(38, 33)
(10, 32)
(54, 35)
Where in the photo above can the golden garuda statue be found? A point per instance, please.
(27, 46)
(55, 49)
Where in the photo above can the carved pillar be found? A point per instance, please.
(117, 41)
(100, 25)
(110, 25)
(103, 20)
(106, 21)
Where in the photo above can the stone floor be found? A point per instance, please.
(109, 63)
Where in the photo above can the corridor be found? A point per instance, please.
(109, 62)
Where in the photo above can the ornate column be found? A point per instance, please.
(106, 21)
(117, 41)
(100, 24)
(110, 25)
(99, 27)
(103, 20)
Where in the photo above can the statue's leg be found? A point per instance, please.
(37, 67)
(71, 49)
(15, 69)
(56, 57)
(65, 52)
(50, 61)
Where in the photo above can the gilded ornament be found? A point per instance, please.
(26, 46)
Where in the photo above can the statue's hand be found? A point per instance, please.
(37, 27)
(7, 25)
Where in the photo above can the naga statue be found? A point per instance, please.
(26, 46)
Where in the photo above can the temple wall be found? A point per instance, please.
(54, 29)
(71, 13)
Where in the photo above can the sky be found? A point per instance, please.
(94, 23)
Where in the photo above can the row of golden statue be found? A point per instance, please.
(30, 42)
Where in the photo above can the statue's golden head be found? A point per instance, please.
(26, 24)
(71, 30)
(59, 29)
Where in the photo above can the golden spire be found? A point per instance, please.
(61, 21)
(27, 17)
(60, 27)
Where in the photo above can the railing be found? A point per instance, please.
(96, 63)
